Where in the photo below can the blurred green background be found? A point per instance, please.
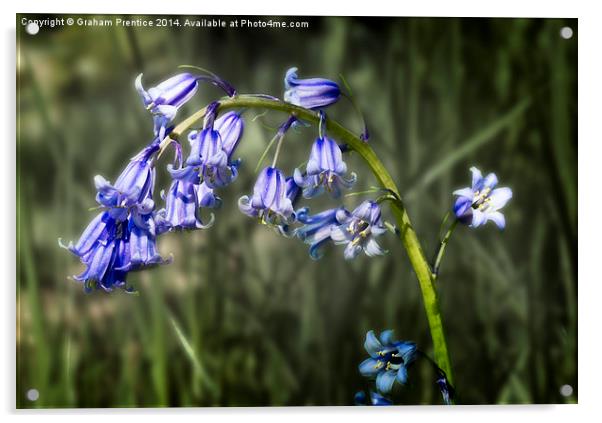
(243, 317)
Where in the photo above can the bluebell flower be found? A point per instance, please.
(100, 231)
(184, 198)
(317, 228)
(142, 240)
(389, 360)
(359, 230)
(375, 399)
(230, 127)
(101, 246)
(269, 202)
(118, 240)
(482, 201)
(173, 92)
(208, 156)
(325, 170)
(133, 184)
(165, 99)
(312, 93)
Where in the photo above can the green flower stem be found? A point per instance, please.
(441, 250)
(406, 232)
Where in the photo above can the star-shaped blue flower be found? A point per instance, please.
(389, 360)
(482, 201)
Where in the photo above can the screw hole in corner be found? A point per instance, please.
(33, 395)
(566, 32)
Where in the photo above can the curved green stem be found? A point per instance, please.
(441, 250)
(406, 231)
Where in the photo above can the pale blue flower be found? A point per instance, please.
(359, 231)
(482, 201)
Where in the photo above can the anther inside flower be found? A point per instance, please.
(389, 360)
(325, 170)
(269, 203)
(360, 231)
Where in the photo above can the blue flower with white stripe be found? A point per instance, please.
(165, 99)
(311, 93)
(482, 201)
(270, 202)
(389, 360)
(360, 230)
(134, 183)
(325, 168)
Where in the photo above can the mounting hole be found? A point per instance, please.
(566, 33)
(566, 390)
(33, 395)
(32, 28)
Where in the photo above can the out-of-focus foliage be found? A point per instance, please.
(245, 317)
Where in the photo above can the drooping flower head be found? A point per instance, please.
(317, 228)
(359, 231)
(389, 360)
(269, 202)
(482, 201)
(312, 93)
(123, 237)
(325, 168)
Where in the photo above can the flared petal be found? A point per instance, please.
(386, 337)
(497, 218)
(372, 344)
(477, 178)
(499, 197)
(478, 218)
(465, 192)
(370, 367)
(402, 375)
(373, 249)
(385, 380)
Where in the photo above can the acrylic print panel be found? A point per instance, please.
(258, 211)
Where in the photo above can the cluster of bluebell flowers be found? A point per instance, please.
(123, 237)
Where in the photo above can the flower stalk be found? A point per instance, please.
(406, 232)
(441, 249)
